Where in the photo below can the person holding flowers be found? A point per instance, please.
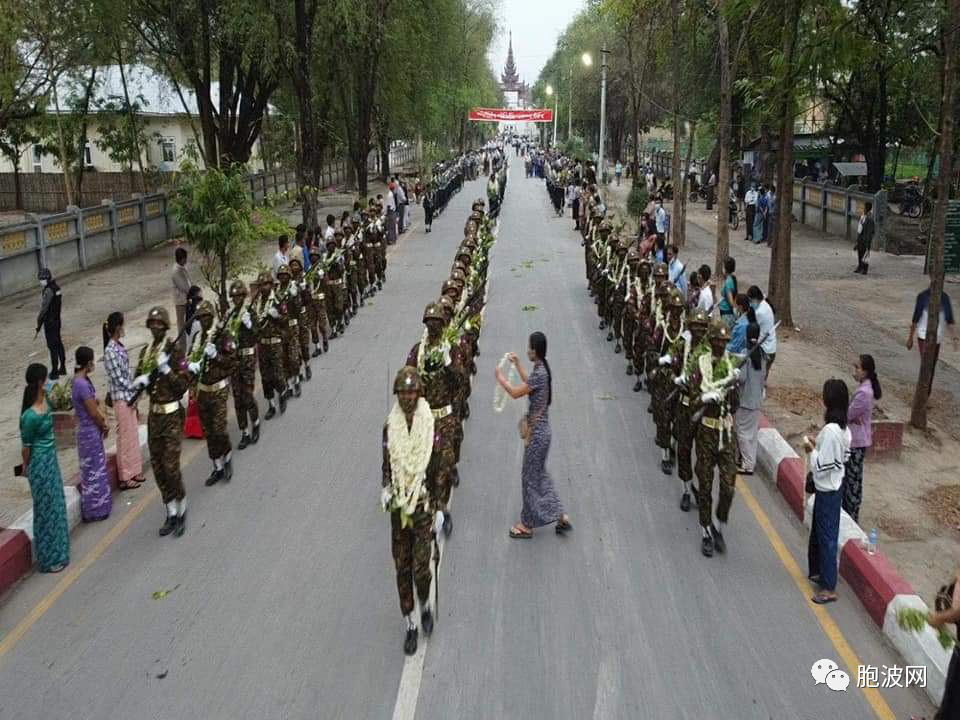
(412, 497)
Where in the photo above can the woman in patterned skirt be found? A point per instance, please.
(51, 536)
(95, 498)
(541, 506)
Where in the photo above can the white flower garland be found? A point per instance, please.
(441, 352)
(409, 451)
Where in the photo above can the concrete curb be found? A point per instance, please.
(881, 589)
(16, 542)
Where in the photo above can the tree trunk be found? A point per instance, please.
(918, 414)
(82, 139)
(676, 229)
(723, 174)
(132, 122)
(685, 173)
(222, 290)
(62, 145)
(17, 189)
(779, 289)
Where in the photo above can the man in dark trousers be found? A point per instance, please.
(865, 230)
(49, 320)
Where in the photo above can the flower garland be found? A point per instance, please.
(409, 451)
(148, 358)
(438, 355)
(197, 346)
(708, 383)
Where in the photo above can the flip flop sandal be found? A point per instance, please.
(823, 600)
(562, 527)
(130, 485)
(520, 534)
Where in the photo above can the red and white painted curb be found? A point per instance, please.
(881, 589)
(16, 541)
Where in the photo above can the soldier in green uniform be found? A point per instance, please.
(316, 281)
(161, 373)
(694, 345)
(333, 281)
(212, 372)
(669, 342)
(714, 388)
(243, 322)
(370, 258)
(617, 295)
(438, 366)
(658, 316)
(272, 317)
(642, 330)
(354, 263)
(289, 295)
(306, 318)
(411, 496)
(630, 306)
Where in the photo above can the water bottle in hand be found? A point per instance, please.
(872, 542)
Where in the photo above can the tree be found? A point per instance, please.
(17, 135)
(120, 136)
(950, 29)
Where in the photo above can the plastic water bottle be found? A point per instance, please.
(872, 542)
(499, 394)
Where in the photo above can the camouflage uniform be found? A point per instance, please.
(306, 318)
(630, 308)
(213, 388)
(165, 422)
(618, 292)
(270, 348)
(440, 390)
(289, 294)
(642, 331)
(320, 327)
(716, 442)
(695, 345)
(669, 341)
(244, 376)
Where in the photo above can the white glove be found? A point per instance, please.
(665, 360)
(385, 498)
(320, 274)
(163, 363)
(194, 367)
(736, 373)
(293, 290)
(210, 350)
(141, 381)
(680, 380)
(710, 397)
(274, 313)
(303, 284)
(446, 356)
(438, 521)
(247, 321)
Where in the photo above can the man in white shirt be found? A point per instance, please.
(918, 326)
(767, 323)
(676, 270)
(660, 216)
(705, 301)
(401, 206)
(281, 257)
(391, 206)
(651, 180)
(750, 200)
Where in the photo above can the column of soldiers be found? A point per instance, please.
(679, 357)
(424, 431)
(270, 327)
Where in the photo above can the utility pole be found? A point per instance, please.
(556, 105)
(603, 110)
(570, 107)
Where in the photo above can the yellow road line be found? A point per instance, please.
(830, 627)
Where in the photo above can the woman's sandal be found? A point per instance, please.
(129, 485)
(563, 526)
(519, 534)
(821, 599)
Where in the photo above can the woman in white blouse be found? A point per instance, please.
(826, 458)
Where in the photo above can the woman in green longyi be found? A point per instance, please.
(51, 535)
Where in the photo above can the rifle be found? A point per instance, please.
(152, 377)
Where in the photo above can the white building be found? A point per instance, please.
(168, 126)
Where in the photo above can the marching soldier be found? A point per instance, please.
(713, 388)
(695, 345)
(669, 342)
(616, 288)
(411, 496)
(212, 371)
(245, 370)
(321, 326)
(306, 318)
(289, 294)
(642, 331)
(272, 316)
(630, 306)
(438, 367)
(160, 371)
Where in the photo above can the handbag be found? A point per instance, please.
(108, 400)
(525, 427)
(809, 487)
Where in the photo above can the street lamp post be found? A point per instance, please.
(603, 109)
(556, 100)
(570, 108)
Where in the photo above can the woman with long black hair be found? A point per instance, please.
(751, 380)
(51, 534)
(541, 506)
(860, 418)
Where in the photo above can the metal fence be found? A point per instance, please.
(80, 238)
(824, 207)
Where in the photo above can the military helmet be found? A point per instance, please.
(447, 304)
(675, 298)
(407, 379)
(295, 261)
(238, 287)
(206, 308)
(605, 227)
(645, 261)
(476, 215)
(698, 316)
(158, 314)
(458, 276)
(633, 255)
(265, 278)
(480, 201)
(464, 252)
(284, 269)
(449, 285)
(433, 311)
(719, 331)
(660, 270)
(315, 251)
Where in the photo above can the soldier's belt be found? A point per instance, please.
(321, 296)
(248, 351)
(720, 423)
(216, 387)
(164, 408)
(441, 412)
(685, 400)
(271, 341)
(293, 322)
(303, 311)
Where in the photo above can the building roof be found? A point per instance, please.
(152, 91)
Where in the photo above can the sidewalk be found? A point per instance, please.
(911, 495)
(132, 286)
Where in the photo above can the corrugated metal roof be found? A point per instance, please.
(151, 91)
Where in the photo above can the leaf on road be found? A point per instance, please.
(606, 396)
(161, 594)
(528, 308)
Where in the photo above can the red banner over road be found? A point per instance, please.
(506, 115)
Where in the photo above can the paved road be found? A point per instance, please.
(283, 603)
